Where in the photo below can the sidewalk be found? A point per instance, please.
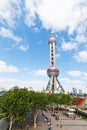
(67, 123)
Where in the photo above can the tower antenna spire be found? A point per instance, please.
(52, 31)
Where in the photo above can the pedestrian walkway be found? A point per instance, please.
(64, 123)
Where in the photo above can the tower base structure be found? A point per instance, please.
(54, 85)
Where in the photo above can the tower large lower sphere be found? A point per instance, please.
(53, 83)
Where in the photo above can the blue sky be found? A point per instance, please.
(24, 50)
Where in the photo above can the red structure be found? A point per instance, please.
(79, 101)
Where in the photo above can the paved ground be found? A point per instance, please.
(67, 123)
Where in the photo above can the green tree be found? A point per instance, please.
(65, 99)
(59, 99)
(39, 102)
(15, 102)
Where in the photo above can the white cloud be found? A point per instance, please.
(68, 46)
(77, 73)
(39, 42)
(72, 82)
(81, 56)
(39, 73)
(8, 83)
(36, 29)
(58, 55)
(61, 15)
(4, 67)
(23, 47)
(68, 84)
(81, 38)
(81, 33)
(55, 13)
(38, 84)
(6, 33)
(77, 40)
(9, 11)
(30, 8)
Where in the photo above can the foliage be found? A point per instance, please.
(2, 115)
(59, 99)
(74, 100)
(19, 102)
(38, 101)
(16, 102)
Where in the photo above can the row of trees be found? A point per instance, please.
(18, 102)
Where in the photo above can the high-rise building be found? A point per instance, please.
(53, 83)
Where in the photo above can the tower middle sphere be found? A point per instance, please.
(53, 71)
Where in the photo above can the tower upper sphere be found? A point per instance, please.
(52, 38)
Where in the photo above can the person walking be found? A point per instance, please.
(61, 124)
(49, 126)
(74, 117)
(57, 124)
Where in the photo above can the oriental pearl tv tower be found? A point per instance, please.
(53, 85)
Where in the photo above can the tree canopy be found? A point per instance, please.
(19, 101)
(16, 102)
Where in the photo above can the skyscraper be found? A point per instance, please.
(53, 83)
